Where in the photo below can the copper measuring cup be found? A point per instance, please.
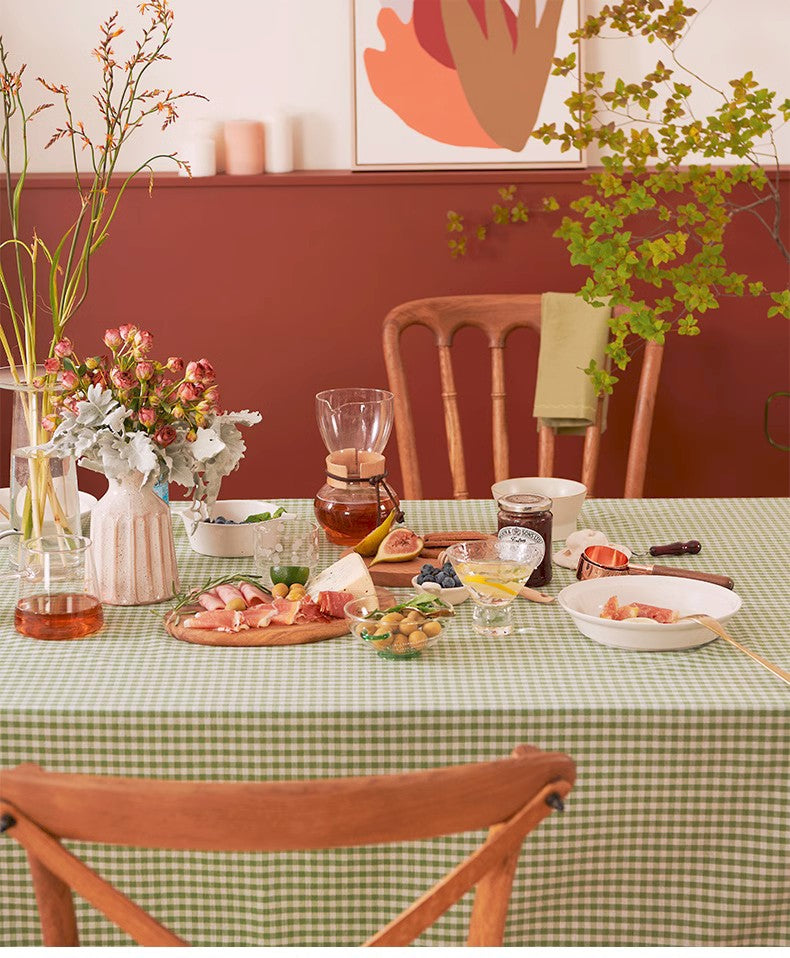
(598, 561)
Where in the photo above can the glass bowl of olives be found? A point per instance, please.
(403, 631)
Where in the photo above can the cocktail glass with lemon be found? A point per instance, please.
(494, 571)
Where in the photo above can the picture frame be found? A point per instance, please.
(409, 100)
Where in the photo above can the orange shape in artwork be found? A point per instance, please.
(427, 96)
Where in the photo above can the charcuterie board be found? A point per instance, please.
(272, 635)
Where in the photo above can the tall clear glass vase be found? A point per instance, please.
(43, 496)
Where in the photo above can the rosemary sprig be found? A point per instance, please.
(188, 597)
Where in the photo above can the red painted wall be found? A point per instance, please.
(283, 281)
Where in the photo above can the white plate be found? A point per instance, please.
(583, 601)
(87, 502)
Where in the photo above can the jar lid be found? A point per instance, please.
(524, 503)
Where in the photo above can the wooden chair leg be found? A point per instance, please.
(643, 421)
(545, 451)
(492, 898)
(55, 906)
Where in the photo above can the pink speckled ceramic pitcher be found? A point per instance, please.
(132, 535)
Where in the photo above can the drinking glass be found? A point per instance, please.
(494, 571)
(287, 549)
(57, 595)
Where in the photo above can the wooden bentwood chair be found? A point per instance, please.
(510, 797)
(497, 315)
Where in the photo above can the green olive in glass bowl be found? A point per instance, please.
(403, 631)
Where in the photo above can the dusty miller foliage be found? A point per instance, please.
(651, 228)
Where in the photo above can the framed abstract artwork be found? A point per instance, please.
(460, 84)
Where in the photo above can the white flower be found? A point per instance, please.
(96, 434)
(207, 445)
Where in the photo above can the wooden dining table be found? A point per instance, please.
(675, 834)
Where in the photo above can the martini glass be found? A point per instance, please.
(494, 571)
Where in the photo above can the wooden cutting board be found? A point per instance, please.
(272, 635)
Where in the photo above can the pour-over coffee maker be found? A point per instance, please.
(355, 425)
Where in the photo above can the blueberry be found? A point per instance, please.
(421, 578)
(427, 568)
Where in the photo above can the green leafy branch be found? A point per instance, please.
(652, 228)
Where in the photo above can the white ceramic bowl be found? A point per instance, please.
(567, 498)
(583, 601)
(87, 502)
(454, 596)
(226, 541)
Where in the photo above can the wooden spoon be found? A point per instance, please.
(715, 626)
(534, 596)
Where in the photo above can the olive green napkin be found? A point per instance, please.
(572, 333)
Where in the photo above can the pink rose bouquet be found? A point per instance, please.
(127, 412)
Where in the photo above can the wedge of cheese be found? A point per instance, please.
(349, 574)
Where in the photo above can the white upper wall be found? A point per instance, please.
(254, 57)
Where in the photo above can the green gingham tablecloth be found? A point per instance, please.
(677, 830)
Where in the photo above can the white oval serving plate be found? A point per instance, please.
(583, 601)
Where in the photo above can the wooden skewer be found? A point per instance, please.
(4, 512)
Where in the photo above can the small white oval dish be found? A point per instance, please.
(453, 596)
(583, 601)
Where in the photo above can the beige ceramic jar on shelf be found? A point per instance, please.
(132, 535)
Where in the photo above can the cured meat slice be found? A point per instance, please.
(253, 595)
(333, 603)
(210, 600)
(311, 612)
(259, 616)
(637, 610)
(228, 592)
(286, 611)
(610, 608)
(223, 620)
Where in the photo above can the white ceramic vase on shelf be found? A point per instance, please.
(132, 535)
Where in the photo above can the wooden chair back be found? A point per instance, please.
(497, 316)
(509, 797)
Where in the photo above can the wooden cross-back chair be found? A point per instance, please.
(497, 315)
(509, 797)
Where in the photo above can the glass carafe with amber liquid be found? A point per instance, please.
(355, 425)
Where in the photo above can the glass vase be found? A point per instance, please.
(43, 496)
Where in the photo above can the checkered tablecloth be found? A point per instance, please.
(677, 830)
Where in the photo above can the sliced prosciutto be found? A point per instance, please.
(210, 600)
(286, 611)
(229, 592)
(222, 620)
(260, 616)
(333, 603)
(637, 610)
(253, 595)
(310, 611)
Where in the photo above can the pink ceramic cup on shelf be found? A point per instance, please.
(244, 147)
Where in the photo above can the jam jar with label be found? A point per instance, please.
(531, 513)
